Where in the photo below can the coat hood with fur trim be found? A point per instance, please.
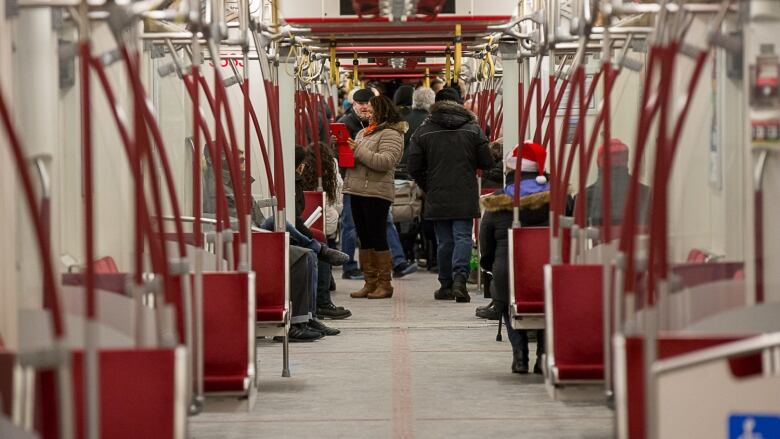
(401, 127)
(499, 201)
(450, 115)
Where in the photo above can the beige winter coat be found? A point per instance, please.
(376, 156)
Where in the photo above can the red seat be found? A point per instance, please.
(669, 346)
(697, 273)
(270, 314)
(313, 200)
(114, 282)
(7, 363)
(576, 318)
(529, 252)
(226, 329)
(105, 264)
(138, 395)
(269, 261)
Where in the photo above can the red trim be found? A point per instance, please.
(439, 19)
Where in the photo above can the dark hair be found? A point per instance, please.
(300, 155)
(384, 110)
(329, 179)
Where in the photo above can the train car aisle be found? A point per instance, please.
(408, 367)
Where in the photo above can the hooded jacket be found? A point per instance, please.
(376, 155)
(444, 155)
(494, 234)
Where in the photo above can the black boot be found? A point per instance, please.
(519, 361)
(487, 312)
(539, 351)
(459, 290)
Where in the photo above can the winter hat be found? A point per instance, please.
(363, 95)
(533, 160)
(449, 94)
(403, 96)
(618, 153)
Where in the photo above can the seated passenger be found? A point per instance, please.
(494, 177)
(331, 184)
(303, 261)
(494, 239)
(619, 183)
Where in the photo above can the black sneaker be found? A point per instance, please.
(443, 294)
(332, 256)
(404, 268)
(489, 313)
(460, 291)
(300, 333)
(331, 311)
(318, 326)
(355, 274)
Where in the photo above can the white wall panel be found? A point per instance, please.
(8, 203)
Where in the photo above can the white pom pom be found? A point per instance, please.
(541, 179)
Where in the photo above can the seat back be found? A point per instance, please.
(576, 318)
(314, 199)
(141, 395)
(668, 346)
(529, 251)
(228, 328)
(270, 262)
(105, 264)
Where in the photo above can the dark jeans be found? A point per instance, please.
(324, 274)
(454, 249)
(518, 338)
(370, 215)
(348, 235)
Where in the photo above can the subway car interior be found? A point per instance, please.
(562, 208)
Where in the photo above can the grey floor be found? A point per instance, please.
(408, 367)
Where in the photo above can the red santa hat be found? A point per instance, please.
(533, 160)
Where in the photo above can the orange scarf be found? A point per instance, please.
(369, 129)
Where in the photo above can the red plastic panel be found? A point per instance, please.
(577, 321)
(137, 395)
(314, 199)
(693, 274)
(7, 360)
(114, 282)
(270, 267)
(668, 346)
(531, 253)
(270, 314)
(225, 328)
(106, 264)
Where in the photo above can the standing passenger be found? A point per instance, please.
(444, 156)
(377, 150)
(355, 119)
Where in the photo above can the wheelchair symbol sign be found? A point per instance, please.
(754, 426)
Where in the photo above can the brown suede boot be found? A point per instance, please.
(367, 258)
(384, 264)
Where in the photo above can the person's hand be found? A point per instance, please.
(352, 144)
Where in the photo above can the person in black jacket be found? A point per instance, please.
(494, 240)
(444, 155)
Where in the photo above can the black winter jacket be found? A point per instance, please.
(444, 155)
(494, 234)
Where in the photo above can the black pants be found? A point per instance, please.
(370, 215)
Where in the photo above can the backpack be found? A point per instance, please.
(407, 204)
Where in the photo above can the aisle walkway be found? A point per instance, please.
(409, 367)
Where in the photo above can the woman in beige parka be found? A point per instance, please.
(378, 149)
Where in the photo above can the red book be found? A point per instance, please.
(346, 157)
